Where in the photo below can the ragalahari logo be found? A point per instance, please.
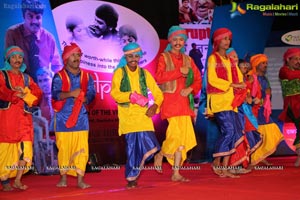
(236, 10)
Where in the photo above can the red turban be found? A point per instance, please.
(220, 34)
(256, 60)
(290, 53)
(69, 50)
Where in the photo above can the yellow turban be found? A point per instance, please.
(256, 60)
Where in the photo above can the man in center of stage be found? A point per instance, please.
(130, 86)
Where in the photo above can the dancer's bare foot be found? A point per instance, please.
(131, 184)
(80, 182)
(226, 173)
(250, 167)
(240, 171)
(158, 158)
(297, 162)
(62, 182)
(83, 185)
(17, 184)
(7, 187)
(266, 162)
(179, 178)
(217, 171)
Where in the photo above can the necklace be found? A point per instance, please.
(223, 56)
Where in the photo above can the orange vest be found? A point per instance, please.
(66, 86)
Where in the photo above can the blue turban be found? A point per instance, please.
(10, 51)
(130, 48)
(176, 31)
(229, 50)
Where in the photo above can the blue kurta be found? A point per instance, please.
(61, 117)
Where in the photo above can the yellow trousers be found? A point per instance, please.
(10, 154)
(180, 136)
(73, 152)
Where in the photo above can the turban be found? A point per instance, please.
(256, 60)
(230, 50)
(130, 48)
(176, 31)
(69, 50)
(290, 53)
(231, 53)
(10, 51)
(220, 34)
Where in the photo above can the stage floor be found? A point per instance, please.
(281, 181)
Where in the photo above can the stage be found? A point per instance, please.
(280, 181)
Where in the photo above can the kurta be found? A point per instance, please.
(290, 85)
(133, 118)
(292, 98)
(61, 117)
(175, 104)
(221, 101)
(16, 124)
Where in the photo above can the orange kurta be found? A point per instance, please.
(16, 124)
(175, 104)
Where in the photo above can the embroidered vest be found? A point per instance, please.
(66, 86)
(290, 87)
(125, 84)
(170, 86)
(222, 74)
(6, 104)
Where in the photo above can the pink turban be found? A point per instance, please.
(290, 53)
(220, 34)
(69, 50)
(256, 60)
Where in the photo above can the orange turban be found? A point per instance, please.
(69, 50)
(256, 60)
(220, 34)
(290, 53)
